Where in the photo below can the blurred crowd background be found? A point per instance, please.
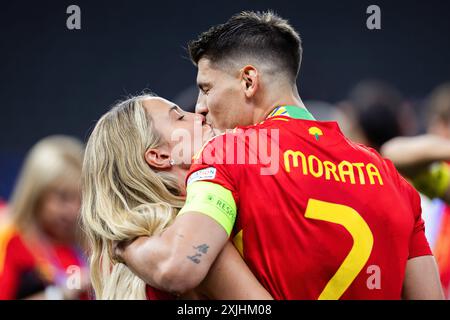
(388, 88)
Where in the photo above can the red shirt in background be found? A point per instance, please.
(155, 294)
(26, 270)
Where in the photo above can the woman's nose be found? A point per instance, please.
(201, 118)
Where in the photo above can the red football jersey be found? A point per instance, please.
(333, 221)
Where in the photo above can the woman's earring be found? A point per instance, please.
(172, 162)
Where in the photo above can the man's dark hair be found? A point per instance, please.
(263, 35)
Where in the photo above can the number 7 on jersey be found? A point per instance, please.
(360, 252)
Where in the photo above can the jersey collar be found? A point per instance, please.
(292, 112)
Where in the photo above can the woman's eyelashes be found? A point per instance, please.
(179, 114)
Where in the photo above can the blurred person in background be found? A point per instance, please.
(377, 113)
(40, 253)
(425, 161)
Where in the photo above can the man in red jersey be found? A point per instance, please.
(320, 218)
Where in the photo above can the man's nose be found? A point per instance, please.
(201, 108)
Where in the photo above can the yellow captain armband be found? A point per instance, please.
(434, 181)
(212, 200)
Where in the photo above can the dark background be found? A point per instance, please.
(54, 80)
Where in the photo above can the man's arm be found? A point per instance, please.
(422, 280)
(179, 259)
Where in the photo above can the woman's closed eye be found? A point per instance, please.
(180, 114)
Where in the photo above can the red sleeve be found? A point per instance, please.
(418, 243)
(213, 164)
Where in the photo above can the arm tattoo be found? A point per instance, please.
(203, 248)
(200, 249)
(195, 258)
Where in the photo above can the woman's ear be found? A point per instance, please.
(250, 80)
(157, 158)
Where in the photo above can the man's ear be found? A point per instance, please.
(157, 158)
(250, 80)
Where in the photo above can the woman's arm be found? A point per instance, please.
(422, 280)
(230, 279)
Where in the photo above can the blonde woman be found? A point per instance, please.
(133, 186)
(39, 249)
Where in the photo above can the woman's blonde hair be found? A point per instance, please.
(122, 197)
(55, 159)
